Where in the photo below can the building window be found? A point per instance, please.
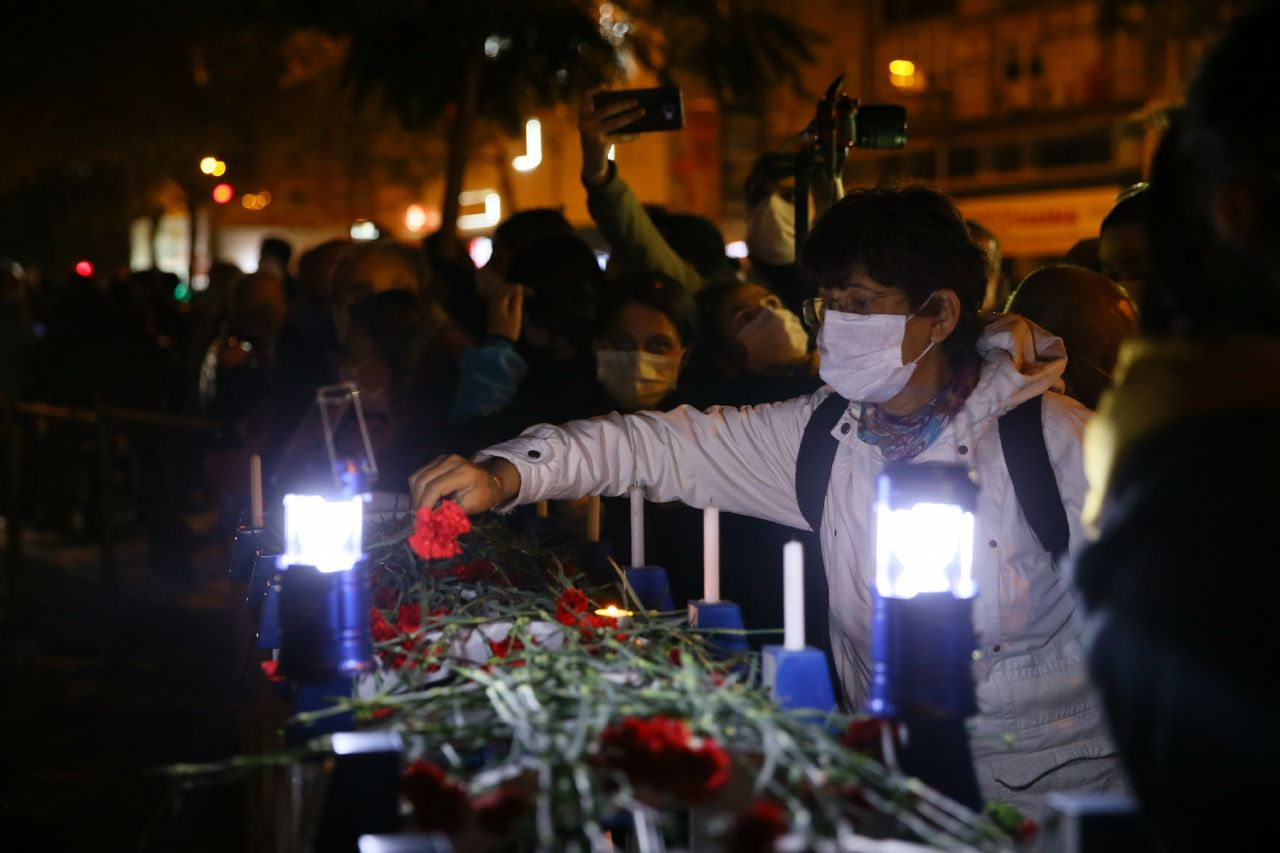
(1006, 158)
(962, 161)
(1072, 150)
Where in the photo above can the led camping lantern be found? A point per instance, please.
(324, 596)
(922, 630)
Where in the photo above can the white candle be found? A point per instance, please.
(793, 595)
(711, 554)
(255, 490)
(637, 525)
(593, 518)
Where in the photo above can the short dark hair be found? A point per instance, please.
(699, 242)
(276, 247)
(528, 226)
(911, 238)
(1131, 209)
(566, 283)
(655, 290)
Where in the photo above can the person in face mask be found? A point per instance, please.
(769, 191)
(914, 374)
(644, 340)
(757, 350)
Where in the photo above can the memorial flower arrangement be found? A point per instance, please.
(528, 718)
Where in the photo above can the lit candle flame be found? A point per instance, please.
(614, 612)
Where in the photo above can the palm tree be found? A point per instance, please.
(483, 63)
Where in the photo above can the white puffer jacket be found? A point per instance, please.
(1040, 726)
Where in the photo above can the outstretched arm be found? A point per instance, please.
(741, 460)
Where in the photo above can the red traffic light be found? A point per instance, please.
(84, 269)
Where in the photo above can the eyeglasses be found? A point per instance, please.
(815, 307)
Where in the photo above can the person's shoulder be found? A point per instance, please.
(1064, 419)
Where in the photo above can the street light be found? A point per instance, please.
(922, 631)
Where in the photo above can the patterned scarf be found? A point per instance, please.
(904, 437)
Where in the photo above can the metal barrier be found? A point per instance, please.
(105, 425)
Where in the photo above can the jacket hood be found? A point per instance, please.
(1020, 360)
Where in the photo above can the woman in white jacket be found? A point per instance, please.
(900, 284)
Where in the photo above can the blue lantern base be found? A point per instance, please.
(317, 696)
(719, 620)
(922, 657)
(651, 587)
(798, 679)
(269, 619)
(248, 545)
(324, 624)
(262, 576)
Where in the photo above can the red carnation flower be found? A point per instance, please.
(660, 754)
(498, 810)
(570, 604)
(865, 736)
(438, 802)
(409, 618)
(757, 828)
(270, 670)
(435, 532)
(472, 572)
(408, 630)
(503, 649)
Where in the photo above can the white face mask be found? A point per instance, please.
(635, 379)
(771, 231)
(862, 355)
(773, 337)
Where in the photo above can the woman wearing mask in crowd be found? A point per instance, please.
(756, 349)
(644, 341)
(921, 378)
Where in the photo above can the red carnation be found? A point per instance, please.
(438, 802)
(659, 753)
(270, 670)
(498, 810)
(570, 604)
(865, 736)
(472, 572)
(407, 629)
(503, 649)
(757, 828)
(435, 532)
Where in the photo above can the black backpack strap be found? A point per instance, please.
(817, 452)
(1027, 458)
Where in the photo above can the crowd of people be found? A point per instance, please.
(698, 376)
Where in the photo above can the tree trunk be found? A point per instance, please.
(459, 145)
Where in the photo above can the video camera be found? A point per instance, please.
(839, 124)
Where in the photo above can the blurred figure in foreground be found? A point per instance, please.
(1183, 465)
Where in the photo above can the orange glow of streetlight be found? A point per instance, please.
(902, 74)
(208, 164)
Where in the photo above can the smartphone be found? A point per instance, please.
(663, 108)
